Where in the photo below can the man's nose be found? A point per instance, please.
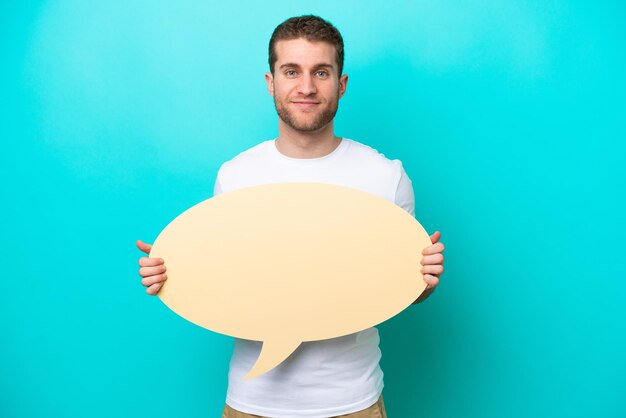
(307, 85)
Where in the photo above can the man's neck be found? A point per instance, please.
(298, 144)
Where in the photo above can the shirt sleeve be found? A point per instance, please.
(217, 189)
(405, 198)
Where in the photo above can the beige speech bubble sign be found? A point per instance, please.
(291, 262)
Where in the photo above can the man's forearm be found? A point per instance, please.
(424, 295)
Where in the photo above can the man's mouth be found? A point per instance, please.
(305, 104)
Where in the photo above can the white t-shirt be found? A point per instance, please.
(324, 378)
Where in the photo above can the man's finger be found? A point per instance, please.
(151, 271)
(431, 281)
(154, 289)
(150, 261)
(432, 259)
(435, 269)
(433, 249)
(150, 280)
(435, 237)
(143, 246)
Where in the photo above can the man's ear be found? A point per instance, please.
(269, 79)
(343, 84)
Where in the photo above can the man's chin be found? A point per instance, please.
(308, 128)
(304, 127)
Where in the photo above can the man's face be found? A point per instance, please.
(306, 85)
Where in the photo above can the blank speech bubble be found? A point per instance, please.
(291, 262)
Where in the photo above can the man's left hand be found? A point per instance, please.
(432, 262)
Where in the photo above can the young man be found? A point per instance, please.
(338, 376)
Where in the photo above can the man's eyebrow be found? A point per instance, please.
(294, 65)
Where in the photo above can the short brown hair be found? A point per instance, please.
(313, 29)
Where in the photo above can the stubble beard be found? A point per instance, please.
(322, 118)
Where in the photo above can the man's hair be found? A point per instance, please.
(313, 29)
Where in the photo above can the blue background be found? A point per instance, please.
(509, 119)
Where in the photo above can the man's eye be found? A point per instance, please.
(290, 73)
(322, 73)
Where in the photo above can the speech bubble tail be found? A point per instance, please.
(272, 354)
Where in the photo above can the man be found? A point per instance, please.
(338, 376)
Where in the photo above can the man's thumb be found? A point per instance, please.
(143, 246)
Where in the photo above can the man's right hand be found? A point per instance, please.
(152, 270)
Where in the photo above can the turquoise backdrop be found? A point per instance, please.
(509, 117)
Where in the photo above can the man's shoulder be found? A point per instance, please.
(368, 155)
(255, 153)
(364, 149)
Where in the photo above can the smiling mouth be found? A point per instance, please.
(306, 104)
